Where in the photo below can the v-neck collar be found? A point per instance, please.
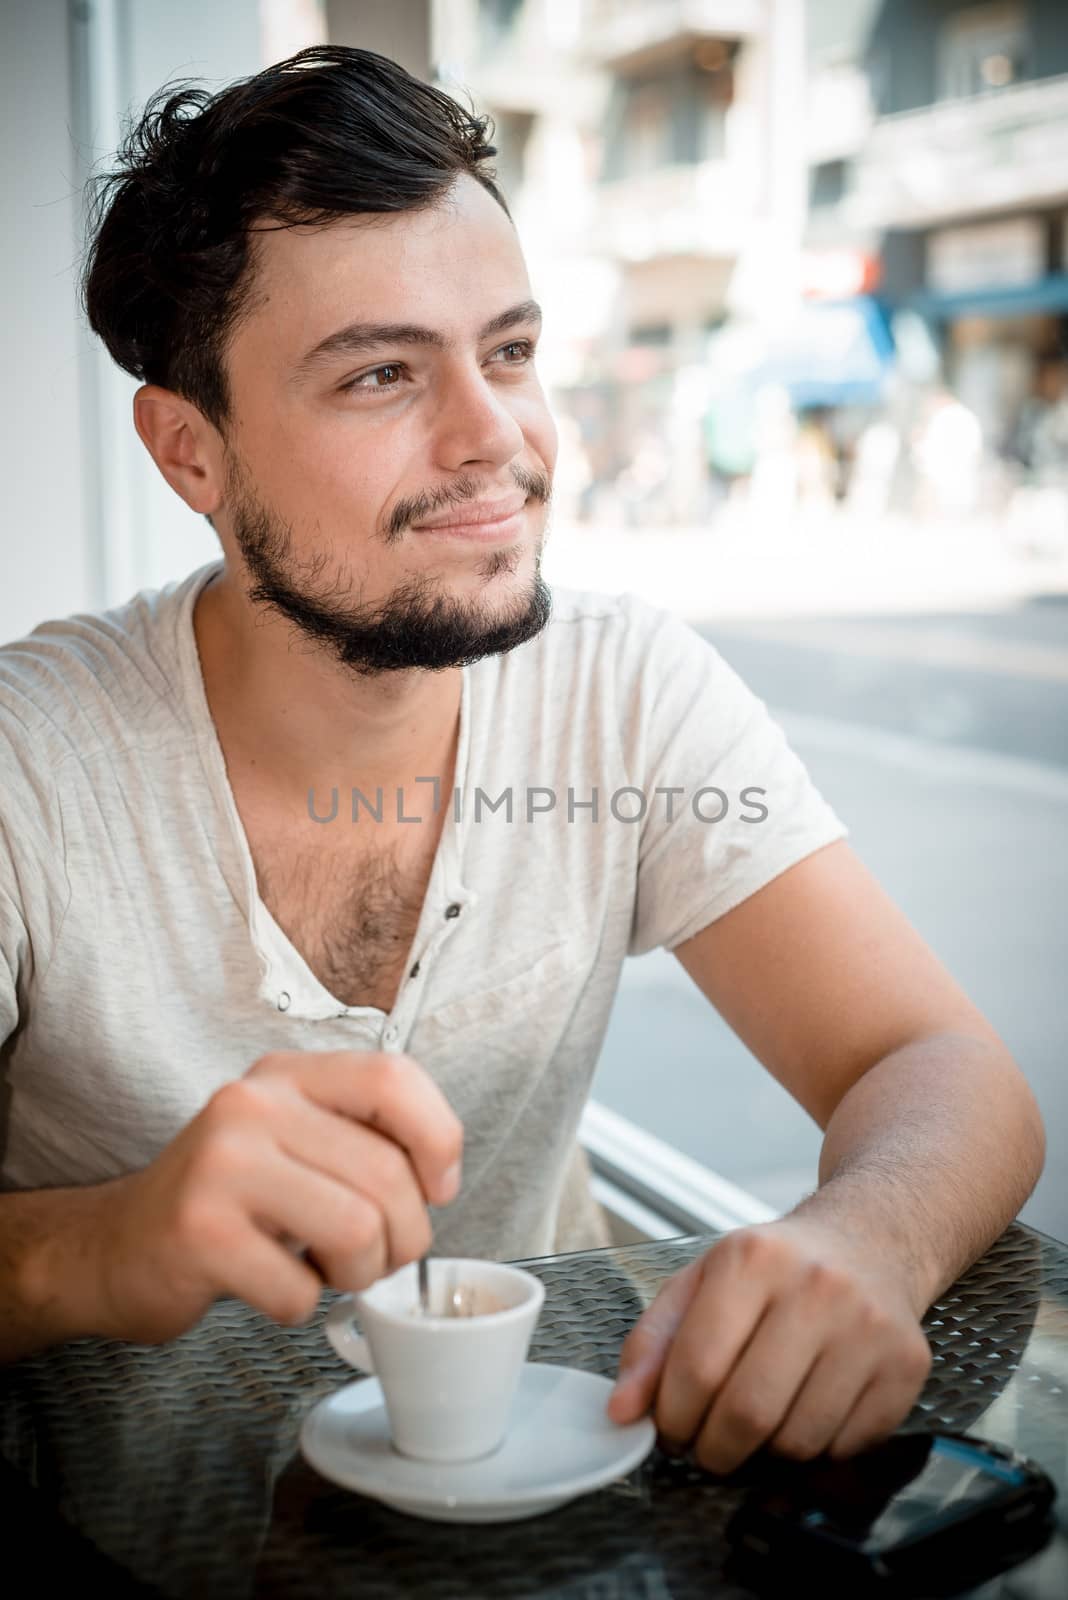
(287, 982)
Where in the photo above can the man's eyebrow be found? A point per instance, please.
(359, 337)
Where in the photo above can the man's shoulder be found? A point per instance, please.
(615, 634)
(607, 627)
(599, 608)
(90, 678)
(584, 605)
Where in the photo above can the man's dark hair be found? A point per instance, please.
(331, 132)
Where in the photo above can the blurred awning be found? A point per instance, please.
(1016, 300)
(834, 353)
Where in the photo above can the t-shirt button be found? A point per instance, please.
(391, 1035)
(452, 911)
(284, 1001)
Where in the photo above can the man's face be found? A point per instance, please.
(336, 459)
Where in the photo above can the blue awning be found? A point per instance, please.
(1043, 294)
(834, 353)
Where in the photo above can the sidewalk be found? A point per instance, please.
(839, 565)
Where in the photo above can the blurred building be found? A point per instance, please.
(938, 150)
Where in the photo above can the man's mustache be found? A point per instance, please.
(535, 485)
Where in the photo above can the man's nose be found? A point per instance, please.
(476, 424)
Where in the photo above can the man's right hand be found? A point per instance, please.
(341, 1151)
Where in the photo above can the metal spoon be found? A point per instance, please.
(459, 1302)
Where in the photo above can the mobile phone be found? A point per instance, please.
(922, 1513)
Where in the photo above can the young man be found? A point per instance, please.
(323, 862)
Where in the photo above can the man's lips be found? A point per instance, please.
(482, 519)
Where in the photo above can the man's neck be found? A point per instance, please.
(290, 718)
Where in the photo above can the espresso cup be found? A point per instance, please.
(448, 1381)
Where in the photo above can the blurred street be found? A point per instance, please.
(938, 731)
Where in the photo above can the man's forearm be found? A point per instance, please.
(46, 1295)
(929, 1157)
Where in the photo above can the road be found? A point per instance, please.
(941, 738)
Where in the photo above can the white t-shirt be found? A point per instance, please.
(140, 969)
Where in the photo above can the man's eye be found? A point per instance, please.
(523, 346)
(361, 381)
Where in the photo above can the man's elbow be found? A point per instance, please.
(1025, 1132)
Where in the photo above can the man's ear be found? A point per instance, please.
(185, 446)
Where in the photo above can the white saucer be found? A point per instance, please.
(560, 1444)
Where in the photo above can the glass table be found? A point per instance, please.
(176, 1470)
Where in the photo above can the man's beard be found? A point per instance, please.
(414, 626)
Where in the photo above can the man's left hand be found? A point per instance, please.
(782, 1335)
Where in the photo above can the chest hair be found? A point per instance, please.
(352, 918)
